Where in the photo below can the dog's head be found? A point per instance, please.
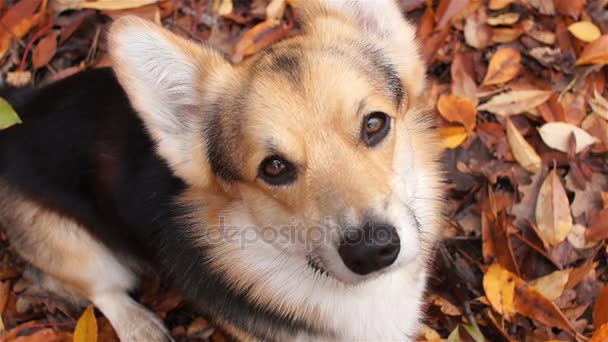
(319, 138)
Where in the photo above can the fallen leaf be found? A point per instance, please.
(499, 286)
(533, 304)
(458, 109)
(523, 152)
(495, 5)
(18, 21)
(506, 35)
(63, 5)
(445, 306)
(8, 116)
(572, 8)
(86, 327)
(447, 10)
(45, 335)
(552, 285)
(222, 7)
(524, 210)
(577, 238)
(496, 244)
(18, 79)
(515, 102)
(600, 334)
(504, 19)
(452, 137)
(462, 81)
(504, 66)
(557, 134)
(258, 37)
(597, 127)
(585, 31)
(45, 50)
(553, 216)
(476, 33)
(600, 310)
(598, 227)
(599, 104)
(595, 53)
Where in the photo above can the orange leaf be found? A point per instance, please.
(45, 50)
(462, 82)
(258, 37)
(17, 22)
(600, 311)
(572, 8)
(447, 9)
(495, 5)
(598, 227)
(595, 53)
(86, 327)
(504, 66)
(458, 109)
(452, 137)
(496, 244)
(601, 334)
(499, 286)
(531, 303)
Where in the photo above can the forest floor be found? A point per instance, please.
(519, 87)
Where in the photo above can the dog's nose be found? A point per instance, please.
(370, 248)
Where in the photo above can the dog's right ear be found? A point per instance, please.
(168, 79)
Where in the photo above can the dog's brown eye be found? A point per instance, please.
(275, 170)
(375, 127)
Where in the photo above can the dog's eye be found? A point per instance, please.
(275, 170)
(375, 127)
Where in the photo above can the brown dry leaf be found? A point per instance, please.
(46, 335)
(63, 5)
(499, 286)
(557, 135)
(545, 37)
(447, 10)
(516, 101)
(86, 327)
(601, 334)
(458, 109)
(504, 66)
(585, 31)
(18, 78)
(577, 238)
(595, 53)
(506, 35)
(600, 310)
(45, 50)
(445, 306)
(552, 285)
(258, 37)
(598, 227)
(589, 199)
(599, 104)
(476, 32)
(572, 8)
(496, 244)
(597, 127)
(523, 152)
(553, 216)
(452, 137)
(524, 210)
(18, 21)
(504, 19)
(462, 82)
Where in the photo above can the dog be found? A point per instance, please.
(294, 196)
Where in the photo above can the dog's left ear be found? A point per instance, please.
(168, 79)
(384, 24)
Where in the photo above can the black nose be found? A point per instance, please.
(370, 248)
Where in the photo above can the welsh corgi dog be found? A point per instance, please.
(294, 196)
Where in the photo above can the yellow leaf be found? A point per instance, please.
(504, 66)
(552, 285)
(86, 328)
(585, 31)
(452, 137)
(458, 109)
(557, 136)
(553, 216)
(516, 101)
(499, 285)
(523, 152)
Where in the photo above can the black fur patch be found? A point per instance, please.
(217, 137)
(288, 64)
(383, 67)
(83, 152)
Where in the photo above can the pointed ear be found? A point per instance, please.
(382, 22)
(166, 77)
